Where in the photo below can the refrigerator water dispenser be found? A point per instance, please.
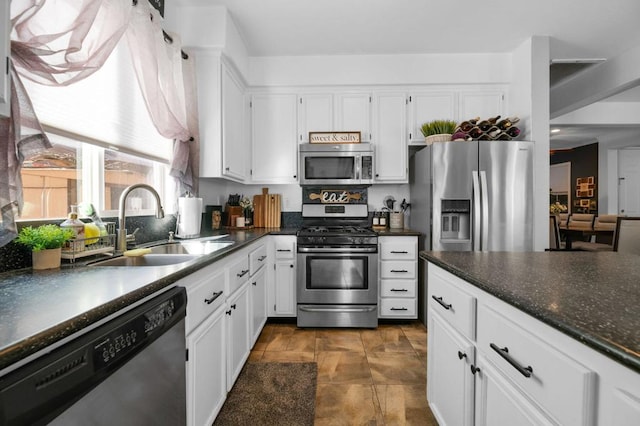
(456, 223)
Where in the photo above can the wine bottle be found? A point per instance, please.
(503, 137)
(507, 122)
(486, 124)
(513, 131)
(475, 132)
(493, 132)
(465, 126)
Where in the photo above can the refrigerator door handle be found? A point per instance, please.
(484, 190)
(476, 211)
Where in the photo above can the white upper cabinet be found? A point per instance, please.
(390, 137)
(234, 139)
(315, 114)
(482, 103)
(274, 138)
(222, 114)
(353, 114)
(5, 52)
(428, 106)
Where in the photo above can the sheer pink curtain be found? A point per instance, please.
(59, 42)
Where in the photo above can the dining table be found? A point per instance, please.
(570, 235)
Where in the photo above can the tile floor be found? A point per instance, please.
(365, 377)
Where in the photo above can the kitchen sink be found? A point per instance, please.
(148, 260)
(190, 247)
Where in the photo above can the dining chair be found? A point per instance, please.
(581, 221)
(627, 236)
(601, 242)
(564, 219)
(554, 234)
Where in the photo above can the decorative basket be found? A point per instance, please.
(443, 137)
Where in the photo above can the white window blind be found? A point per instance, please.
(106, 107)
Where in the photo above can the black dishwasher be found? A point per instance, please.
(128, 371)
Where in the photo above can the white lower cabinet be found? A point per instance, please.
(226, 311)
(258, 304)
(282, 291)
(205, 332)
(450, 385)
(206, 370)
(238, 329)
(525, 372)
(398, 277)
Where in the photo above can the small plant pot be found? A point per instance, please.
(46, 259)
(443, 137)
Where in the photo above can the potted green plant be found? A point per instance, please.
(438, 130)
(45, 242)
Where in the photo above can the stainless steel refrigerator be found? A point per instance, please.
(473, 196)
(466, 196)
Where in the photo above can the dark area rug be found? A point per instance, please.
(271, 393)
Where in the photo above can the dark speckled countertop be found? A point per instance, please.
(592, 297)
(41, 308)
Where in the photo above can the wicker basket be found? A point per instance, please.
(443, 137)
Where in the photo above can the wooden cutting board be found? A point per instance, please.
(259, 212)
(273, 206)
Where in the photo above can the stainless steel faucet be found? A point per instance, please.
(122, 230)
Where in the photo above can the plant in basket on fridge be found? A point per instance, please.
(438, 130)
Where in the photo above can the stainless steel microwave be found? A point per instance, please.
(336, 164)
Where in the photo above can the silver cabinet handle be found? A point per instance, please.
(243, 273)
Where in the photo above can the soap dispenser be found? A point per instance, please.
(77, 226)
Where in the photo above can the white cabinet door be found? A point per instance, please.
(206, 370)
(285, 289)
(390, 138)
(234, 141)
(450, 381)
(428, 106)
(353, 114)
(5, 51)
(497, 402)
(274, 138)
(258, 304)
(238, 333)
(483, 104)
(315, 114)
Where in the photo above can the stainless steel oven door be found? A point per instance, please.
(337, 275)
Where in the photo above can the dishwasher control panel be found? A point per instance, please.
(138, 331)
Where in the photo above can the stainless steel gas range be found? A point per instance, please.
(337, 276)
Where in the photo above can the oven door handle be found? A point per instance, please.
(337, 309)
(337, 249)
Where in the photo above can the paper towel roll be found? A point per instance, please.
(189, 217)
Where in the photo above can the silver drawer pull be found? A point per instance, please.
(504, 353)
(215, 295)
(261, 258)
(404, 271)
(399, 289)
(243, 273)
(399, 251)
(399, 309)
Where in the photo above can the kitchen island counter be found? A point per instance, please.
(42, 308)
(592, 297)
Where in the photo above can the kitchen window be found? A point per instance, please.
(75, 171)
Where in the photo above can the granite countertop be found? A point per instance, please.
(592, 297)
(40, 308)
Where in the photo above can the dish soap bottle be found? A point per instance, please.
(77, 226)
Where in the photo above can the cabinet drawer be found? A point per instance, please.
(398, 269)
(285, 248)
(398, 288)
(238, 273)
(205, 293)
(453, 304)
(400, 250)
(257, 258)
(392, 307)
(562, 386)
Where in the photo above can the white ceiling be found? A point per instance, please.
(578, 29)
